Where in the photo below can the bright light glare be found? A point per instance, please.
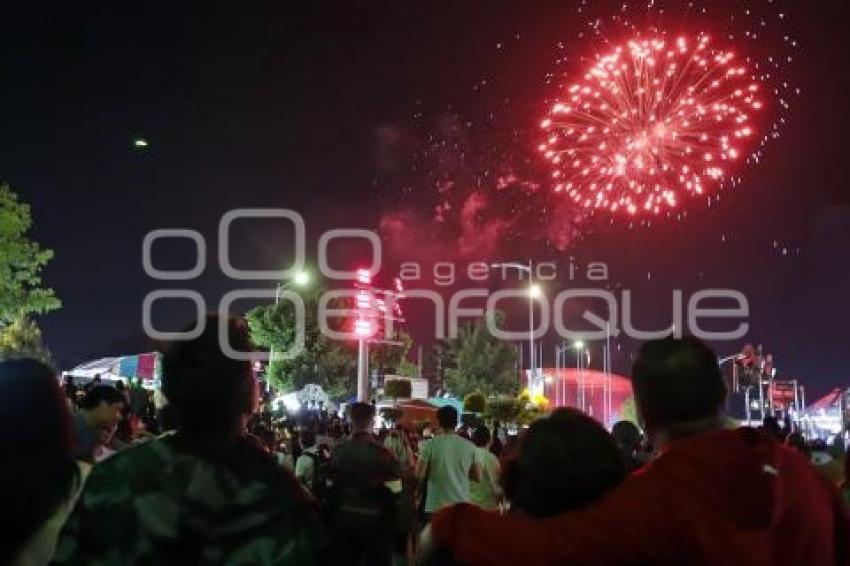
(362, 328)
(364, 277)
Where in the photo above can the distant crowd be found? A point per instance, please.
(209, 474)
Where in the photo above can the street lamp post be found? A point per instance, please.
(363, 329)
(579, 346)
(560, 370)
(301, 279)
(534, 291)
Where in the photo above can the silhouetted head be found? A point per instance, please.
(308, 438)
(481, 436)
(447, 418)
(103, 405)
(562, 462)
(39, 471)
(362, 417)
(770, 427)
(677, 381)
(211, 393)
(627, 435)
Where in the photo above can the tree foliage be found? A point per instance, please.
(23, 338)
(407, 369)
(530, 408)
(475, 402)
(503, 408)
(628, 410)
(392, 358)
(324, 361)
(397, 389)
(478, 361)
(21, 289)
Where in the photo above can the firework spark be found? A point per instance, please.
(651, 122)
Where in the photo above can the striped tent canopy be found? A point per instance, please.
(146, 367)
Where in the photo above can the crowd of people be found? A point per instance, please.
(103, 476)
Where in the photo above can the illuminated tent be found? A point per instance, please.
(824, 418)
(144, 367)
(417, 412)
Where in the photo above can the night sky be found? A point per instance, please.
(285, 106)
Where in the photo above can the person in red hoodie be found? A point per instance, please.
(713, 495)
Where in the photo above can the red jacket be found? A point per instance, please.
(724, 497)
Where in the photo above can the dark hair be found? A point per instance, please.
(562, 462)
(101, 393)
(676, 381)
(447, 417)
(361, 414)
(770, 427)
(209, 391)
(627, 435)
(481, 436)
(308, 438)
(797, 442)
(39, 471)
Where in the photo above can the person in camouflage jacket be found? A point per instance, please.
(167, 502)
(205, 494)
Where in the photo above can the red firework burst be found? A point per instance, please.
(649, 123)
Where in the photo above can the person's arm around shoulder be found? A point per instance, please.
(628, 525)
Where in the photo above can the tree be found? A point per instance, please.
(628, 410)
(23, 337)
(397, 388)
(432, 368)
(407, 369)
(392, 358)
(503, 408)
(324, 361)
(21, 289)
(530, 408)
(478, 361)
(475, 402)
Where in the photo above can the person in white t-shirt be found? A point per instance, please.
(486, 493)
(447, 463)
(305, 465)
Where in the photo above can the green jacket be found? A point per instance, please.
(172, 501)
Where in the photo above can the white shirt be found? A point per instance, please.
(448, 459)
(305, 467)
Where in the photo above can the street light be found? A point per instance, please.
(579, 346)
(363, 329)
(301, 278)
(534, 291)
